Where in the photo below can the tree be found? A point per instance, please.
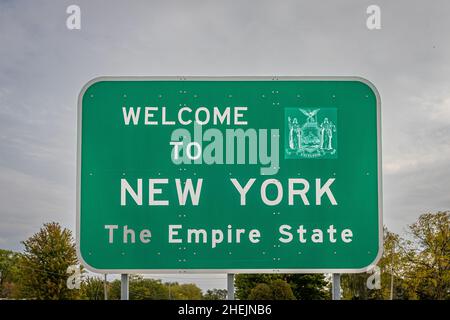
(140, 289)
(150, 289)
(147, 289)
(92, 288)
(427, 254)
(244, 283)
(281, 290)
(186, 291)
(114, 290)
(303, 286)
(354, 286)
(308, 286)
(9, 273)
(392, 270)
(418, 267)
(261, 291)
(215, 294)
(44, 263)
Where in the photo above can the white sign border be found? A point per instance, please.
(229, 78)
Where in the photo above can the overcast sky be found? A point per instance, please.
(43, 66)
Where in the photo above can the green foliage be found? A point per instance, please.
(261, 291)
(44, 263)
(354, 286)
(281, 290)
(427, 256)
(150, 289)
(187, 291)
(215, 294)
(114, 290)
(418, 267)
(9, 273)
(140, 289)
(282, 286)
(244, 283)
(308, 286)
(277, 289)
(92, 288)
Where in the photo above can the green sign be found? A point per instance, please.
(229, 175)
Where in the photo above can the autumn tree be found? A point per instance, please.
(354, 285)
(427, 254)
(277, 289)
(9, 273)
(215, 294)
(261, 291)
(185, 291)
(92, 288)
(44, 262)
(415, 267)
(281, 290)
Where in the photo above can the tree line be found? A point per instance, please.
(414, 265)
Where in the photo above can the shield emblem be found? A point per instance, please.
(311, 133)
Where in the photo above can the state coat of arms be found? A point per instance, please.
(310, 133)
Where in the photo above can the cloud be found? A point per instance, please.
(27, 202)
(43, 66)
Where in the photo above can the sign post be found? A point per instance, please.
(124, 287)
(230, 286)
(228, 175)
(336, 286)
(105, 287)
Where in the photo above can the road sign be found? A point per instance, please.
(230, 175)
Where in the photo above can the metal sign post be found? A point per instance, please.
(336, 288)
(105, 287)
(230, 286)
(124, 287)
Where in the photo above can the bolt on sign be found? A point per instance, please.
(229, 175)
